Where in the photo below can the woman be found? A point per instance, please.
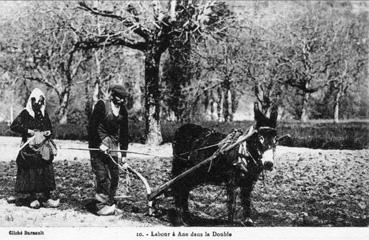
(35, 175)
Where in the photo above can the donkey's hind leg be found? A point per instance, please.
(181, 205)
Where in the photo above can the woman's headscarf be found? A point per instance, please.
(37, 94)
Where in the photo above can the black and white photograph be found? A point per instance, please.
(184, 119)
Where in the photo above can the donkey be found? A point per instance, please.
(239, 167)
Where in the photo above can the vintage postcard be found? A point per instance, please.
(176, 119)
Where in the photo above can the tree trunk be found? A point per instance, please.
(220, 104)
(230, 106)
(178, 74)
(137, 100)
(152, 97)
(235, 100)
(207, 108)
(96, 93)
(262, 97)
(97, 54)
(337, 106)
(65, 95)
(63, 109)
(304, 112)
(227, 100)
(213, 106)
(97, 84)
(88, 105)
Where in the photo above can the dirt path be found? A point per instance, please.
(12, 216)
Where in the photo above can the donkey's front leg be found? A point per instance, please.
(246, 204)
(231, 201)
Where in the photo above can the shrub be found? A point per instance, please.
(349, 135)
(70, 131)
(5, 130)
(136, 131)
(317, 134)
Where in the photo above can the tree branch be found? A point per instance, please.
(43, 81)
(136, 27)
(104, 41)
(78, 65)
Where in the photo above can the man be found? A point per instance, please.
(108, 130)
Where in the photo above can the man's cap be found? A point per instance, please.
(118, 90)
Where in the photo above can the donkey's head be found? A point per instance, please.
(264, 140)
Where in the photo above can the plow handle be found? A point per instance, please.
(142, 178)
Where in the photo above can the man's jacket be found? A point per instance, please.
(104, 125)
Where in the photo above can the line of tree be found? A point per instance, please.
(188, 59)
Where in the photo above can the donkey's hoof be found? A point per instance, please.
(187, 216)
(11, 199)
(178, 222)
(175, 218)
(248, 222)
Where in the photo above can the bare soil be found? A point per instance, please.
(306, 188)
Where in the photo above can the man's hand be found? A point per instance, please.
(125, 166)
(47, 133)
(31, 132)
(123, 163)
(104, 148)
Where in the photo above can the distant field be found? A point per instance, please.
(323, 134)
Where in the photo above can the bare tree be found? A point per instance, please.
(43, 48)
(324, 48)
(147, 27)
(350, 50)
(224, 60)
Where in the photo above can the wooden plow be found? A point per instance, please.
(224, 146)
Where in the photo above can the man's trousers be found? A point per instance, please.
(107, 176)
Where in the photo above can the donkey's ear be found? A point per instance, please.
(274, 115)
(258, 115)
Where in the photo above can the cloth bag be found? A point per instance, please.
(44, 146)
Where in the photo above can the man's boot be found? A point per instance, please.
(107, 210)
(50, 203)
(35, 204)
(103, 206)
(11, 199)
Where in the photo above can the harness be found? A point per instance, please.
(267, 128)
(197, 149)
(244, 157)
